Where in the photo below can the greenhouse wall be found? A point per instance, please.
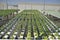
(3, 6)
(38, 6)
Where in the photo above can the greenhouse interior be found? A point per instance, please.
(30, 19)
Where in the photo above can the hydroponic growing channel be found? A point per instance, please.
(30, 25)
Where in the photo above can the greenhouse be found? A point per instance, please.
(29, 20)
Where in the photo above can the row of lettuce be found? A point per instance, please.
(7, 12)
(30, 24)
